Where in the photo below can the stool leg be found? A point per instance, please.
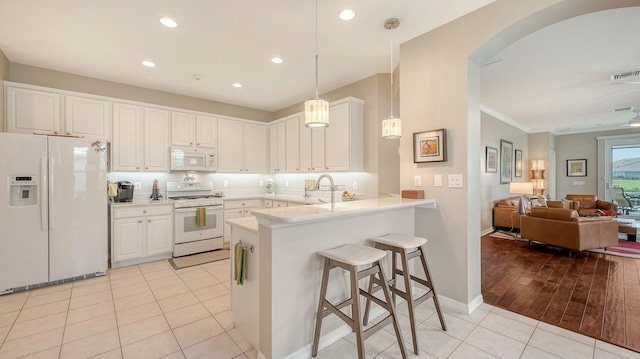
(323, 293)
(409, 298)
(436, 302)
(394, 274)
(355, 311)
(391, 307)
(367, 306)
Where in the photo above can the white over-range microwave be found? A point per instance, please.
(193, 159)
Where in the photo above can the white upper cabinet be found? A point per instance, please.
(156, 140)
(30, 111)
(190, 130)
(305, 146)
(241, 147)
(255, 148)
(343, 138)
(277, 147)
(292, 144)
(87, 117)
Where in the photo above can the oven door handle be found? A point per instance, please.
(192, 209)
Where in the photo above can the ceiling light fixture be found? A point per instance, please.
(237, 85)
(148, 63)
(277, 60)
(347, 14)
(168, 22)
(391, 127)
(316, 111)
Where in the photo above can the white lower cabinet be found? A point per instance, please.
(140, 233)
(238, 208)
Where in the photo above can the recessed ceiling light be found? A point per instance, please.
(237, 85)
(148, 63)
(168, 22)
(347, 14)
(277, 60)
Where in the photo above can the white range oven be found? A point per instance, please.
(198, 217)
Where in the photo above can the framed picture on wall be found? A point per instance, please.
(506, 161)
(518, 164)
(430, 146)
(491, 164)
(577, 168)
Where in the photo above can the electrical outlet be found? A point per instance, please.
(417, 181)
(355, 184)
(286, 183)
(455, 181)
(138, 185)
(437, 180)
(310, 185)
(225, 183)
(261, 183)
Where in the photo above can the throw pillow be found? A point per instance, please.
(538, 202)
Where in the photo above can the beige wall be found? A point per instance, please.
(380, 157)
(4, 75)
(492, 131)
(441, 89)
(66, 81)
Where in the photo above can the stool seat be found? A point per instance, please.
(400, 240)
(354, 254)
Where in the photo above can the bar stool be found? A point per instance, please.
(408, 247)
(349, 257)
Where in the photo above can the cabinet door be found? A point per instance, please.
(183, 128)
(292, 144)
(273, 148)
(127, 239)
(317, 149)
(156, 140)
(230, 146)
(31, 111)
(305, 146)
(337, 151)
(231, 214)
(159, 238)
(206, 136)
(87, 117)
(255, 148)
(126, 147)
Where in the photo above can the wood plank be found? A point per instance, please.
(573, 313)
(594, 312)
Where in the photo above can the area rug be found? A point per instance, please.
(624, 248)
(200, 258)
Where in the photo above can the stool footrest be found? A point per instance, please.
(374, 328)
(330, 308)
(371, 297)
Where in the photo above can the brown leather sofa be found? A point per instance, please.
(588, 205)
(563, 227)
(505, 213)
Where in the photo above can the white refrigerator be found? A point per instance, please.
(53, 209)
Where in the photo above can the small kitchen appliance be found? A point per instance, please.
(198, 217)
(125, 192)
(155, 192)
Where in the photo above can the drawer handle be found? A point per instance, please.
(145, 211)
(140, 221)
(148, 220)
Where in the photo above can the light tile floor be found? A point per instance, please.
(153, 311)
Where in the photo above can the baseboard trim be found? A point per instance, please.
(487, 231)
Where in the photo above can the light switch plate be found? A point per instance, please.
(437, 180)
(417, 181)
(455, 181)
(138, 185)
(225, 184)
(355, 184)
(261, 183)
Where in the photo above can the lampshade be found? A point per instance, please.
(316, 111)
(540, 164)
(521, 188)
(391, 126)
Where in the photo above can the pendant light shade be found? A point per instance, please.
(316, 111)
(391, 126)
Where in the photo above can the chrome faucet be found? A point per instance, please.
(332, 187)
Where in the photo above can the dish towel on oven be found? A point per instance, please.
(201, 217)
(240, 259)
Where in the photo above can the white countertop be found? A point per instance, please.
(144, 202)
(284, 198)
(317, 212)
(248, 223)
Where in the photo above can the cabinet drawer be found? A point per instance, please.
(141, 211)
(248, 203)
(268, 203)
(277, 204)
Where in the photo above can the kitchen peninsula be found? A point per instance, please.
(275, 308)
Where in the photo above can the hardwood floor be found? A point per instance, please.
(593, 294)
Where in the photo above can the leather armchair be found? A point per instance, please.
(563, 227)
(588, 205)
(505, 214)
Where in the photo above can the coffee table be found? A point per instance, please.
(630, 229)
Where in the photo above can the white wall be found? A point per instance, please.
(4, 75)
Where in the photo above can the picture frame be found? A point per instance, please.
(577, 168)
(430, 146)
(491, 160)
(506, 161)
(518, 164)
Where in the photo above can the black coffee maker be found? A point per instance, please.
(125, 192)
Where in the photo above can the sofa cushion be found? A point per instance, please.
(538, 202)
(561, 214)
(585, 200)
(509, 202)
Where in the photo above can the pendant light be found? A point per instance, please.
(316, 111)
(392, 126)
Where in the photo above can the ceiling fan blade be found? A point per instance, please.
(616, 94)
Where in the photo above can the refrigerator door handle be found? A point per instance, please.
(43, 188)
(52, 213)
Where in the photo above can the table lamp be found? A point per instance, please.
(521, 188)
